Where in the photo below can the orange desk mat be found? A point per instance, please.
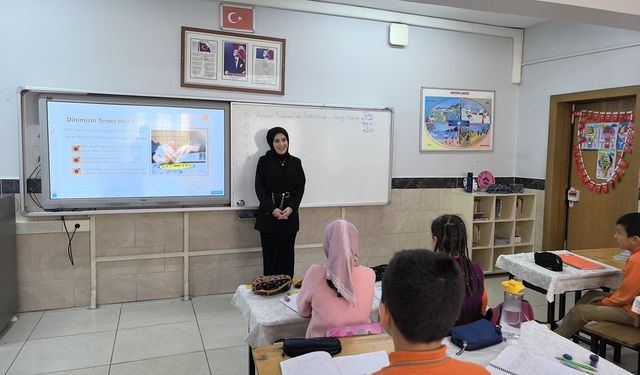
(579, 262)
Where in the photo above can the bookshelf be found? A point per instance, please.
(496, 224)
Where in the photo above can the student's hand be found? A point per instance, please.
(277, 213)
(596, 300)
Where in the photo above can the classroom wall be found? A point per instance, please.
(134, 47)
(46, 280)
(614, 68)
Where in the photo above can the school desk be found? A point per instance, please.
(535, 338)
(603, 256)
(269, 320)
(522, 266)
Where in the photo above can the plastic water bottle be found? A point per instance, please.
(510, 318)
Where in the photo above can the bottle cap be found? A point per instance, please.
(513, 286)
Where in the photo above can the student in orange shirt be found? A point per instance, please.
(616, 306)
(421, 296)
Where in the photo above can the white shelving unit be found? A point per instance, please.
(496, 224)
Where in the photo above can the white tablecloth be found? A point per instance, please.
(523, 267)
(636, 305)
(539, 340)
(270, 320)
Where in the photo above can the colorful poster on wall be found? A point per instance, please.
(610, 134)
(456, 120)
(606, 164)
(591, 136)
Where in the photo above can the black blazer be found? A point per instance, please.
(272, 177)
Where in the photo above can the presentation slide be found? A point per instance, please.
(128, 151)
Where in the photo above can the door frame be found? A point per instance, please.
(559, 157)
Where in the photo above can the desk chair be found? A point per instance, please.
(616, 335)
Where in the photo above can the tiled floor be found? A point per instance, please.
(201, 336)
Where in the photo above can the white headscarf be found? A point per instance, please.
(341, 246)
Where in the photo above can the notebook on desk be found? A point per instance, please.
(515, 361)
(579, 262)
(321, 363)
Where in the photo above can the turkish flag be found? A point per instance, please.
(237, 18)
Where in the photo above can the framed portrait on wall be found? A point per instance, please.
(456, 120)
(229, 61)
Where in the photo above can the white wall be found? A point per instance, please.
(618, 67)
(134, 47)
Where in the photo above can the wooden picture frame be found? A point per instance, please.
(230, 61)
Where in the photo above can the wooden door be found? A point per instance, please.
(591, 221)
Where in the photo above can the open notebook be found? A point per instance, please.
(515, 361)
(321, 363)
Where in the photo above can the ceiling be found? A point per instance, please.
(623, 14)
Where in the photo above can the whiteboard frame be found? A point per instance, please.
(318, 106)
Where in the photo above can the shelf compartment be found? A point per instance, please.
(481, 235)
(525, 206)
(483, 209)
(503, 234)
(500, 251)
(504, 207)
(523, 249)
(524, 229)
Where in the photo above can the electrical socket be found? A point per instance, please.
(83, 225)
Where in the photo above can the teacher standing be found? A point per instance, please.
(279, 185)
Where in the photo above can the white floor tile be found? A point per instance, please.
(20, 330)
(214, 307)
(494, 281)
(139, 314)
(102, 370)
(156, 341)
(64, 353)
(77, 321)
(191, 363)
(229, 361)
(223, 333)
(8, 352)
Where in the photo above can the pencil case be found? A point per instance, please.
(296, 347)
(476, 335)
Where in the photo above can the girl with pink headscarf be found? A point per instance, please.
(340, 293)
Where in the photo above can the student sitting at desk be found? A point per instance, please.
(340, 293)
(450, 237)
(421, 296)
(611, 307)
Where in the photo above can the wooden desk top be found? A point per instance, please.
(268, 357)
(602, 255)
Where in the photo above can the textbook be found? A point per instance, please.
(321, 363)
(515, 361)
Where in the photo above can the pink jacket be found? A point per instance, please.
(327, 310)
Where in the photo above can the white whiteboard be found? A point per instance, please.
(345, 152)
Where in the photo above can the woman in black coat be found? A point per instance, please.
(279, 185)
